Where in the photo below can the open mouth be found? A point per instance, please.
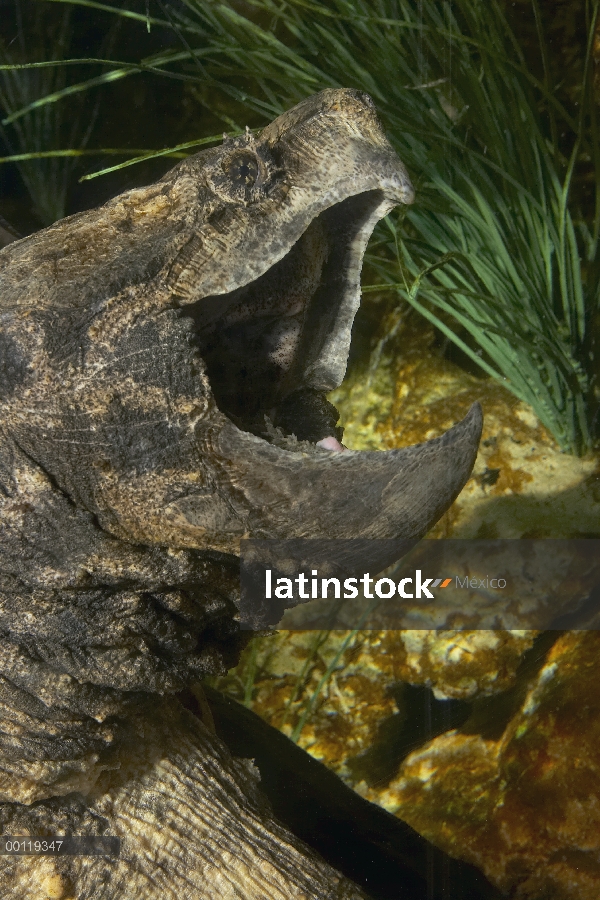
(268, 277)
(274, 347)
(254, 251)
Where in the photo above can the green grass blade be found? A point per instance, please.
(101, 151)
(114, 10)
(106, 78)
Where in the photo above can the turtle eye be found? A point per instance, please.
(242, 169)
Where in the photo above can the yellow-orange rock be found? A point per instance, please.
(522, 484)
(524, 808)
(460, 665)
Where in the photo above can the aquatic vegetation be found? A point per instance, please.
(500, 252)
(31, 138)
(493, 249)
(44, 106)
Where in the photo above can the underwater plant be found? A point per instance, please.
(494, 249)
(44, 106)
(500, 253)
(34, 133)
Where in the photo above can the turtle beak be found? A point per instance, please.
(281, 494)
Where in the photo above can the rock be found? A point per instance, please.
(461, 664)
(524, 808)
(522, 485)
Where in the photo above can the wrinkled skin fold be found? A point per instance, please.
(164, 361)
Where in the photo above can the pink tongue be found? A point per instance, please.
(331, 443)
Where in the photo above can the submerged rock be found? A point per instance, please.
(524, 808)
(340, 694)
(462, 665)
(522, 485)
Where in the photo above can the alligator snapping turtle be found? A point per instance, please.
(143, 347)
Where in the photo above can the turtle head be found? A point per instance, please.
(169, 354)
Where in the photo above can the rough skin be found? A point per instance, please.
(128, 477)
